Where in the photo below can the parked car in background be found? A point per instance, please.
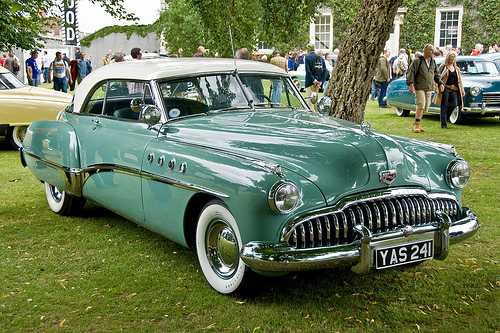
(21, 105)
(299, 77)
(199, 151)
(492, 56)
(481, 81)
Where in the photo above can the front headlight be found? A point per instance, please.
(475, 90)
(283, 196)
(458, 173)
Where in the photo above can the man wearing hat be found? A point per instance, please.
(281, 62)
(400, 64)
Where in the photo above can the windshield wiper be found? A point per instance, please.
(272, 104)
(232, 108)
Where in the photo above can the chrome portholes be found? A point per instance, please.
(183, 167)
(161, 160)
(151, 157)
(171, 164)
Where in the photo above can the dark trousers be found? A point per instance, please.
(448, 104)
(382, 93)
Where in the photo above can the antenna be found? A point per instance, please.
(232, 45)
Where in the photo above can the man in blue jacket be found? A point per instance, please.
(315, 75)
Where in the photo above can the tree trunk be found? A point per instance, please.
(350, 81)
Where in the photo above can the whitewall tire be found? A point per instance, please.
(63, 203)
(16, 136)
(218, 245)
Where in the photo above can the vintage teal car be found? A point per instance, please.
(481, 81)
(195, 150)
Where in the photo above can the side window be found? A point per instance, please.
(96, 101)
(120, 95)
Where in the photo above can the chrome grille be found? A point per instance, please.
(491, 98)
(378, 215)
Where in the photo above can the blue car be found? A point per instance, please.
(481, 81)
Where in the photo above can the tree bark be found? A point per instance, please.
(350, 81)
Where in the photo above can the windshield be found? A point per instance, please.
(477, 67)
(225, 92)
(9, 81)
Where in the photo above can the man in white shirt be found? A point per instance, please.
(61, 73)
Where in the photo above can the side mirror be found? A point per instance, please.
(151, 115)
(137, 104)
(324, 105)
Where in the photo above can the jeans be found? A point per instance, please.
(375, 90)
(61, 84)
(45, 74)
(448, 104)
(34, 82)
(277, 88)
(383, 91)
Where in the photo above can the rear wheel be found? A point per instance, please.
(402, 112)
(16, 136)
(62, 202)
(218, 245)
(457, 117)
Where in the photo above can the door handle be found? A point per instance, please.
(95, 121)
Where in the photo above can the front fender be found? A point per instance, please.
(51, 152)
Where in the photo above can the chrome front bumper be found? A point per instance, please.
(359, 255)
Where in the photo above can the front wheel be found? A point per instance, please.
(62, 202)
(218, 245)
(457, 117)
(16, 136)
(402, 112)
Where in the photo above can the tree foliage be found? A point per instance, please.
(181, 26)
(22, 22)
(287, 28)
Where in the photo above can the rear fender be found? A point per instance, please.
(51, 152)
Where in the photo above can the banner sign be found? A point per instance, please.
(70, 26)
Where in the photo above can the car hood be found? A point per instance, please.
(335, 155)
(40, 94)
(489, 82)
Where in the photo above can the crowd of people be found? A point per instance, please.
(422, 74)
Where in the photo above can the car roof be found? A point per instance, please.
(168, 68)
(3, 70)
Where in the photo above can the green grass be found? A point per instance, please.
(102, 273)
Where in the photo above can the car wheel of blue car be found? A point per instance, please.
(218, 244)
(457, 116)
(402, 112)
(63, 203)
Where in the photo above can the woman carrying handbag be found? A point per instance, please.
(448, 99)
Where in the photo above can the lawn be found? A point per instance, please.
(102, 273)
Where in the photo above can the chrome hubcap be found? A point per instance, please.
(56, 194)
(222, 248)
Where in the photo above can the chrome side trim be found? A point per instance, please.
(359, 254)
(74, 179)
(181, 184)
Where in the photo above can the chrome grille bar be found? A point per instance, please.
(379, 215)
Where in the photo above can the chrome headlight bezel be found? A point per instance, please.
(457, 173)
(284, 196)
(475, 90)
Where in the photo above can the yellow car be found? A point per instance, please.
(20, 105)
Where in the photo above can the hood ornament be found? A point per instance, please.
(365, 126)
(387, 176)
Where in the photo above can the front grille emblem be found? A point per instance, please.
(387, 176)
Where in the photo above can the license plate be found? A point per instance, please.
(402, 254)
